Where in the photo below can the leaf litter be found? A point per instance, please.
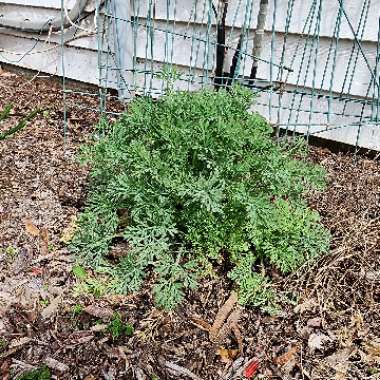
(330, 331)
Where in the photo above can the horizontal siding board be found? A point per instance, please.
(81, 56)
(53, 4)
(81, 65)
(239, 10)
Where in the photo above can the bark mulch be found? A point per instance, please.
(327, 325)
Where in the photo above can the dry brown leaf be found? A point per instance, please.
(19, 342)
(315, 322)
(52, 308)
(372, 352)
(286, 357)
(316, 341)
(222, 315)
(69, 231)
(200, 323)
(31, 228)
(227, 327)
(227, 355)
(56, 365)
(99, 312)
(339, 361)
(305, 306)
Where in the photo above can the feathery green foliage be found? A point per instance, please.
(191, 180)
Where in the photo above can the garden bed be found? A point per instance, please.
(328, 326)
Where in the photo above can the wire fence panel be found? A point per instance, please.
(314, 64)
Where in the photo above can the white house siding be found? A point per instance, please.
(196, 59)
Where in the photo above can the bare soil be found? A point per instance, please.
(327, 327)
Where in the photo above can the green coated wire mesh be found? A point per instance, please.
(314, 64)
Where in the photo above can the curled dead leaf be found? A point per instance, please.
(305, 306)
(227, 355)
(44, 235)
(31, 228)
(99, 312)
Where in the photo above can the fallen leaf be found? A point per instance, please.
(52, 308)
(236, 330)
(36, 271)
(316, 341)
(314, 322)
(98, 328)
(99, 312)
(286, 357)
(4, 368)
(200, 323)
(69, 231)
(372, 352)
(305, 306)
(31, 228)
(230, 325)
(227, 355)
(339, 357)
(339, 361)
(15, 343)
(251, 368)
(56, 365)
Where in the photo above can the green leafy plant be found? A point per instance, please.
(3, 344)
(76, 310)
(190, 181)
(118, 328)
(42, 373)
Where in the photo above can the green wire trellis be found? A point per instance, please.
(297, 81)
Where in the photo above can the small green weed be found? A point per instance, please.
(128, 329)
(201, 182)
(44, 302)
(3, 344)
(42, 373)
(11, 251)
(118, 328)
(79, 272)
(76, 311)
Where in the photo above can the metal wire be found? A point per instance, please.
(297, 78)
